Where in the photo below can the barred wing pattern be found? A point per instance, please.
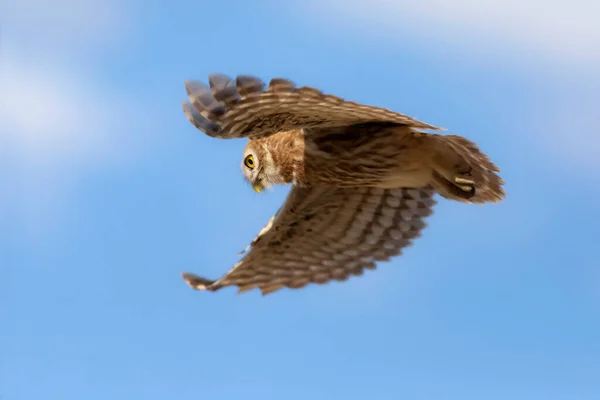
(323, 234)
(230, 109)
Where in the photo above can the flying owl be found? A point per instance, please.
(363, 178)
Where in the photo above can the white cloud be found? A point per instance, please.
(566, 31)
(58, 120)
(50, 114)
(53, 25)
(560, 39)
(53, 109)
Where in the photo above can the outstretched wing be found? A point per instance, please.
(244, 108)
(326, 233)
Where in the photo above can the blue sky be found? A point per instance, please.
(108, 194)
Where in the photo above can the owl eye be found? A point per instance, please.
(249, 161)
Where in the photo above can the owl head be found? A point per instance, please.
(258, 165)
(273, 160)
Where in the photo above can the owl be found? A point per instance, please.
(363, 179)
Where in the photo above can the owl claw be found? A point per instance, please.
(467, 185)
(461, 186)
(464, 181)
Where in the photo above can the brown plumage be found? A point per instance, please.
(363, 178)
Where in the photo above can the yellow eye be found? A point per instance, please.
(249, 161)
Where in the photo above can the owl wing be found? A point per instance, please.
(326, 233)
(230, 109)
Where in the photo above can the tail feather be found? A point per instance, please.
(464, 173)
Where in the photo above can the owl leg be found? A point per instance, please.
(452, 173)
(462, 172)
(460, 185)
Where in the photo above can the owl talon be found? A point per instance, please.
(463, 181)
(467, 185)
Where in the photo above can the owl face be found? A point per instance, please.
(251, 169)
(258, 167)
(269, 161)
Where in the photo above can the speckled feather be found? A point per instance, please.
(363, 178)
(230, 109)
(323, 234)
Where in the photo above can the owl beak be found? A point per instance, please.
(258, 187)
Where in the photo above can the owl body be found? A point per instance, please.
(363, 178)
(374, 155)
